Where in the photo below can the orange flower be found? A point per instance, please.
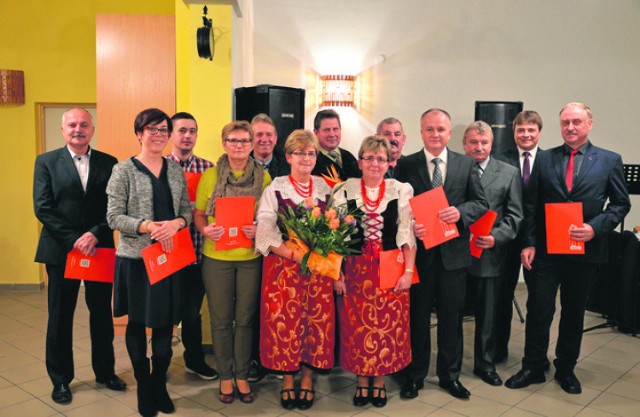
(330, 213)
(315, 212)
(334, 223)
(349, 218)
(308, 202)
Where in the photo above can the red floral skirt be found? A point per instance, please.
(374, 324)
(297, 317)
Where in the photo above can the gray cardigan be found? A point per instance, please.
(131, 201)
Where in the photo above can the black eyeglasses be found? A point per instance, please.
(378, 159)
(154, 130)
(236, 142)
(301, 154)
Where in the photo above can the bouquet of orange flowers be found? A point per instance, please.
(322, 238)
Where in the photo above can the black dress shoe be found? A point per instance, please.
(378, 400)
(305, 400)
(288, 399)
(361, 397)
(410, 389)
(61, 394)
(524, 378)
(113, 383)
(490, 377)
(456, 389)
(568, 382)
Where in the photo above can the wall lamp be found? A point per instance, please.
(338, 90)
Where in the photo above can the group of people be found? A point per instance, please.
(264, 310)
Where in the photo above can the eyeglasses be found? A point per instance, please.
(380, 160)
(301, 154)
(236, 142)
(163, 131)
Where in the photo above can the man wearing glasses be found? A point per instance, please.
(391, 128)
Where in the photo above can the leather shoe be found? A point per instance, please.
(61, 394)
(410, 388)
(456, 389)
(568, 382)
(490, 377)
(113, 383)
(524, 378)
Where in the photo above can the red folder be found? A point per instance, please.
(559, 218)
(99, 267)
(160, 264)
(192, 184)
(425, 209)
(233, 213)
(392, 268)
(482, 227)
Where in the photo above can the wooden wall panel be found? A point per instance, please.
(135, 70)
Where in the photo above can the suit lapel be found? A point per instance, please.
(588, 161)
(452, 170)
(490, 174)
(70, 167)
(423, 170)
(93, 169)
(559, 167)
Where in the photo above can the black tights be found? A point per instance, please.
(136, 339)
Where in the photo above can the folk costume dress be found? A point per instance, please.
(374, 323)
(297, 311)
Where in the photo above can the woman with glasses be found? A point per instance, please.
(297, 317)
(374, 323)
(148, 201)
(231, 277)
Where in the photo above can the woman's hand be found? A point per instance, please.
(164, 230)
(213, 232)
(249, 231)
(339, 286)
(419, 230)
(404, 283)
(167, 244)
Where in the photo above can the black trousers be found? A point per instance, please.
(448, 289)
(548, 275)
(192, 296)
(486, 295)
(63, 297)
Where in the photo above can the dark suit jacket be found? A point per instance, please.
(278, 165)
(64, 209)
(349, 168)
(463, 190)
(601, 177)
(502, 186)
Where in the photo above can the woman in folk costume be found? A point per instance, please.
(297, 317)
(374, 323)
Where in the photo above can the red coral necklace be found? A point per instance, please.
(304, 191)
(372, 205)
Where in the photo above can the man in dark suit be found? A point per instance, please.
(265, 138)
(527, 126)
(576, 171)
(326, 126)
(391, 128)
(503, 189)
(442, 269)
(70, 201)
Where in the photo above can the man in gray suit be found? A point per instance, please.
(503, 190)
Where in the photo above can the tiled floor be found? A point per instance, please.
(609, 370)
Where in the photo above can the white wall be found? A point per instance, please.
(450, 54)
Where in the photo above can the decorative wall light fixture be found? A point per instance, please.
(11, 87)
(338, 90)
(204, 38)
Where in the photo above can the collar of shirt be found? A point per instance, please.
(187, 162)
(582, 149)
(443, 156)
(532, 153)
(264, 164)
(73, 154)
(483, 164)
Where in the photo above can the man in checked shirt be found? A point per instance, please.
(183, 140)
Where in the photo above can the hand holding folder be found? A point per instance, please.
(425, 208)
(560, 218)
(392, 268)
(232, 213)
(160, 264)
(100, 267)
(482, 227)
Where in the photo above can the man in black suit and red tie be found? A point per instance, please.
(327, 127)
(70, 201)
(442, 269)
(576, 171)
(527, 126)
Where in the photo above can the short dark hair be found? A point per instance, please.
(151, 117)
(528, 116)
(183, 115)
(325, 114)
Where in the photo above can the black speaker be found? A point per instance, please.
(285, 105)
(499, 115)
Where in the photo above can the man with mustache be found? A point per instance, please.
(391, 128)
(183, 140)
(70, 200)
(265, 138)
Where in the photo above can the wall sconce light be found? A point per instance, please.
(338, 90)
(204, 38)
(11, 87)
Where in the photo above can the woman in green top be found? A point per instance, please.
(231, 277)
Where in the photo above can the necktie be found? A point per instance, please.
(479, 170)
(437, 174)
(526, 167)
(335, 157)
(83, 170)
(569, 176)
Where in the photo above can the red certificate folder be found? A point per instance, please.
(192, 184)
(559, 218)
(392, 268)
(233, 213)
(482, 227)
(99, 267)
(160, 264)
(425, 209)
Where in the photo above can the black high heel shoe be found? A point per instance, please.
(288, 403)
(379, 400)
(304, 403)
(361, 400)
